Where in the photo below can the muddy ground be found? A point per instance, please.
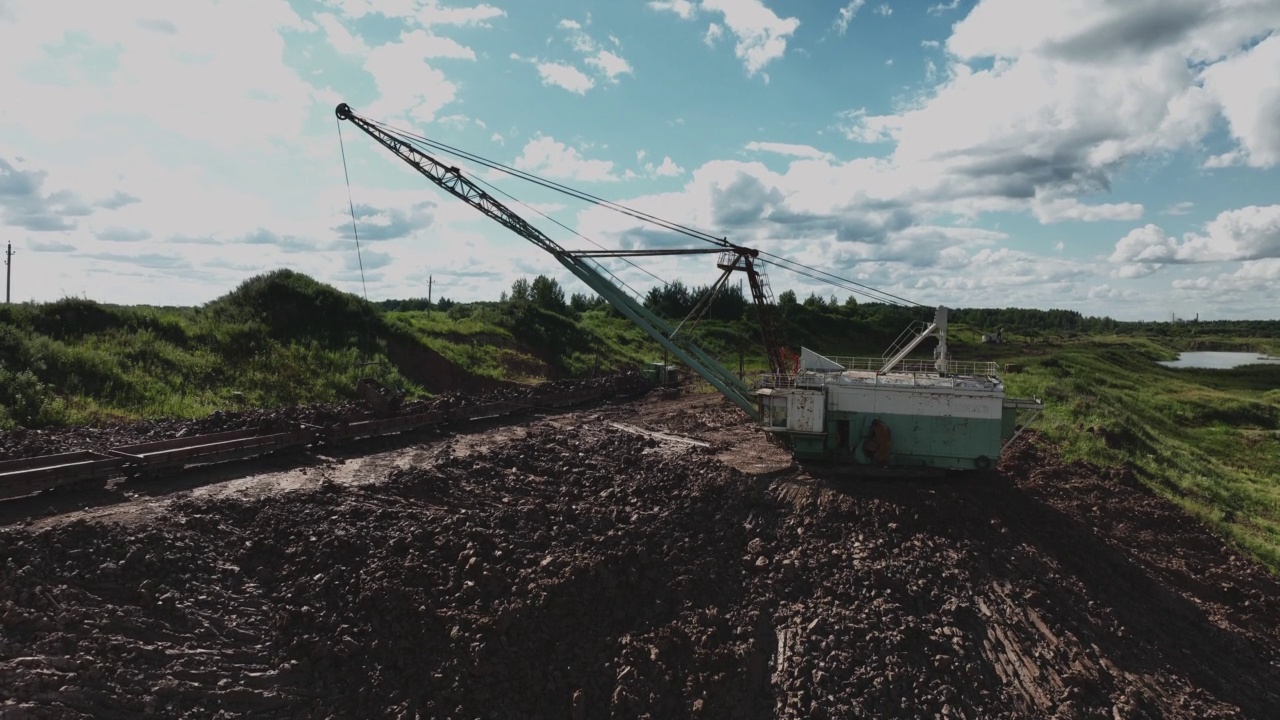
(573, 567)
(25, 443)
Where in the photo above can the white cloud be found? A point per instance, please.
(605, 65)
(1109, 32)
(930, 44)
(1146, 244)
(714, 33)
(683, 8)
(805, 152)
(123, 235)
(884, 10)
(761, 36)
(944, 7)
(423, 13)
(339, 37)
(667, 168)
(1247, 86)
(846, 15)
(98, 61)
(550, 158)
(609, 64)
(434, 14)
(1258, 274)
(1223, 160)
(53, 246)
(409, 88)
(1040, 118)
(1106, 292)
(1136, 270)
(173, 147)
(858, 126)
(1063, 209)
(1250, 289)
(565, 76)
(1181, 208)
(1248, 233)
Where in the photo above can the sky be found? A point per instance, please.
(1115, 157)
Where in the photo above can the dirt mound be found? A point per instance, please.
(586, 572)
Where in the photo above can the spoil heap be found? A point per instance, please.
(586, 572)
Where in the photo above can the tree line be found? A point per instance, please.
(816, 314)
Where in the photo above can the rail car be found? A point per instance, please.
(84, 468)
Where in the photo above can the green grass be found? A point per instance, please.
(1209, 440)
(474, 342)
(280, 339)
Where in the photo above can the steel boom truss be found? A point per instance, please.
(450, 178)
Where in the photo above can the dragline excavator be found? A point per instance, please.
(935, 414)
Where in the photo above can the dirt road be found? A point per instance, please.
(574, 566)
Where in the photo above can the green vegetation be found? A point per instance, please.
(278, 339)
(1208, 439)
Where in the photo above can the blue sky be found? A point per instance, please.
(1114, 158)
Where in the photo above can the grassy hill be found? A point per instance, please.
(1209, 439)
(278, 339)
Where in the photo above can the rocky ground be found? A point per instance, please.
(569, 568)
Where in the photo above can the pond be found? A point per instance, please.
(1218, 360)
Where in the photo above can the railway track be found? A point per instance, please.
(89, 468)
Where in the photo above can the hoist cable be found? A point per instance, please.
(351, 204)
(821, 276)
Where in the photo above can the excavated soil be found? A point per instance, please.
(569, 568)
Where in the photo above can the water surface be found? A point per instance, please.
(1214, 360)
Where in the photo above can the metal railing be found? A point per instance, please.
(917, 373)
(954, 367)
(904, 338)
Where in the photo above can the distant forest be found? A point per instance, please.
(677, 300)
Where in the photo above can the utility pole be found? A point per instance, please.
(8, 271)
(429, 279)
